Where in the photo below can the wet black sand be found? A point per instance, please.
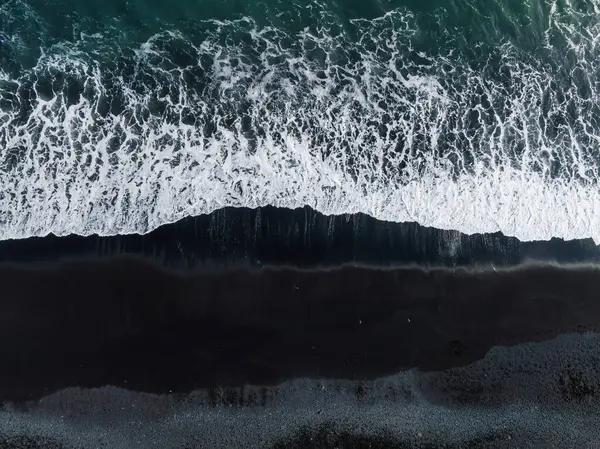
(123, 348)
(303, 238)
(135, 325)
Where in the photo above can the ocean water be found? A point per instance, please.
(479, 116)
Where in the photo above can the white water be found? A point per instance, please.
(311, 134)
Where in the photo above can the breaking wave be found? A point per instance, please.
(105, 134)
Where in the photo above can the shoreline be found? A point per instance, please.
(269, 236)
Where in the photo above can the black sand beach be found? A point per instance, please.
(345, 356)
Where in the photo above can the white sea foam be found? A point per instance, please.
(510, 145)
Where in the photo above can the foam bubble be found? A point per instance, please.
(120, 140)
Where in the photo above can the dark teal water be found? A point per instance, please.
(29, 26)
(118, 116)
